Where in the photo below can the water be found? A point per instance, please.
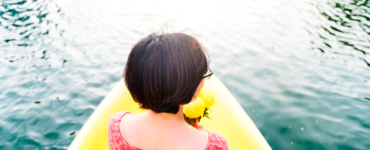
(299, 68)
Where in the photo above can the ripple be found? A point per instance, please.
(347, 25)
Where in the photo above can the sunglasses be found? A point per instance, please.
(208, 74)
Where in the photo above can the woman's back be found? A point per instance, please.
(127, 131)
(163, 73)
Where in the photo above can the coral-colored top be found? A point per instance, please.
(116, 141)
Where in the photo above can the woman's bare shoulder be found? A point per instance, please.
(216, 141)
(118, 115)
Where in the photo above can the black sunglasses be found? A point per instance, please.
(208, 75)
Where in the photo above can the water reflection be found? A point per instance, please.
(27, 31)
(26, 27)
(347, 27)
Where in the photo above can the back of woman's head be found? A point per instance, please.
(163, 71)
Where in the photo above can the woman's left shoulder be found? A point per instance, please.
(118, 115)
(115, 119)
(217, 141)
(115, 139)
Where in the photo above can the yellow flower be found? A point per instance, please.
(195, 108)
(208, 97)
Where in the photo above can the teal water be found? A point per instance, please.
(299, 68)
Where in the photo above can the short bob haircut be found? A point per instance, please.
(163, 71)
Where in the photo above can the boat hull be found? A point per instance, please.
(227, 118)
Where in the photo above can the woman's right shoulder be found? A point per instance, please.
(216, 141)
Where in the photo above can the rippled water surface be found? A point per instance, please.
(299, 68)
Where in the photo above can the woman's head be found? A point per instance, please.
(163, 71)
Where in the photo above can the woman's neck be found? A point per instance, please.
(170, 117)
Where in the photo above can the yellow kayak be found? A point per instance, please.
(227, 118)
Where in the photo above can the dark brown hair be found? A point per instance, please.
(163, 71)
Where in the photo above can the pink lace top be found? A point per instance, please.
(116, 141)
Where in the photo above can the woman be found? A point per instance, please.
(163, 73)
